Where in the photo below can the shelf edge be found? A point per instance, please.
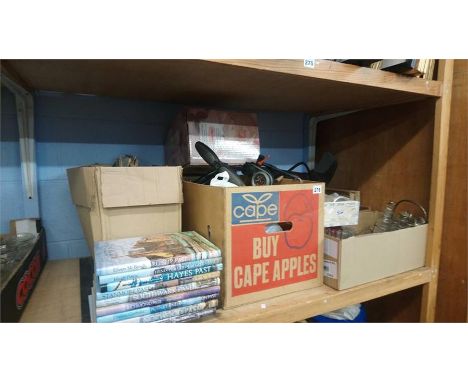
(339, 72)
(301, 305)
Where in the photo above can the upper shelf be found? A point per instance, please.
(275, 85)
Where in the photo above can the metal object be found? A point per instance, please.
(258, 176)
(405, 219)
(385, 224)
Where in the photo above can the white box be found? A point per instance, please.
(344, 211)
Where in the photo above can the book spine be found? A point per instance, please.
(159, 292)
(156, 286)
(155, 309)
(155, 271)
(159, 278)
(189, 316)
(114, 309)
(173, 312)
(146, 263)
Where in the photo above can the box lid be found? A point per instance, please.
(140, 186)
(125, 186)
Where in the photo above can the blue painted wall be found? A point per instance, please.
(11, 186)
(74, 130)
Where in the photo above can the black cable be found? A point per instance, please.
(298, 164)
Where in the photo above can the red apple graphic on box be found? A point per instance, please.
(298, 209)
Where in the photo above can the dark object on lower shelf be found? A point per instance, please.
(86, 283)
(360, 318)
(18, 286)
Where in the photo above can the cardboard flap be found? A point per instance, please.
(140, 186)
(82, 186)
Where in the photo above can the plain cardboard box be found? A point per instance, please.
(361, 259)
(257, 264)
(120, 202)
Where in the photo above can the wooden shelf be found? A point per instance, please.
(282, 85)
(258, 85)
(291, 307)
(298, 306)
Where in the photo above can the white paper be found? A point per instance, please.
(330, 269)
(330, 248)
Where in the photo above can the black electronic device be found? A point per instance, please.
(212, 159)
(262, 173)
(257, 175)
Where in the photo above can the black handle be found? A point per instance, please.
(212, 159)
(207, 154)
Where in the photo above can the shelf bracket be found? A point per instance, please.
(25, 118)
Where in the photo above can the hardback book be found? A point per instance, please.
(158, 292)
(173, 312)
(106, 279)
(189, 316)
(125, 255)
(155, 309)
(114, 309)
(155, 286)
(159, 278)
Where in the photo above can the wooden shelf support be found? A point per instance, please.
(437, 198)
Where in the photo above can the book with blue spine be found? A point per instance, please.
(114, 309)
(155, 309)
(106, 279)
(154, 286)
(132, 254)
(159, 278)
(158, 292)
(173, 312)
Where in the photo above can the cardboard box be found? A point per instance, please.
(361, 259)
(233, 136)
(342, 212)
(259, 264)
(120, 202)
(18, 285)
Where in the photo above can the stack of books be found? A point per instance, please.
(163, 278)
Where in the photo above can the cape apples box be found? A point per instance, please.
(120, 202)
(271, 237)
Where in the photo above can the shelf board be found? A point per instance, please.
(298, 306)
(258, 85)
